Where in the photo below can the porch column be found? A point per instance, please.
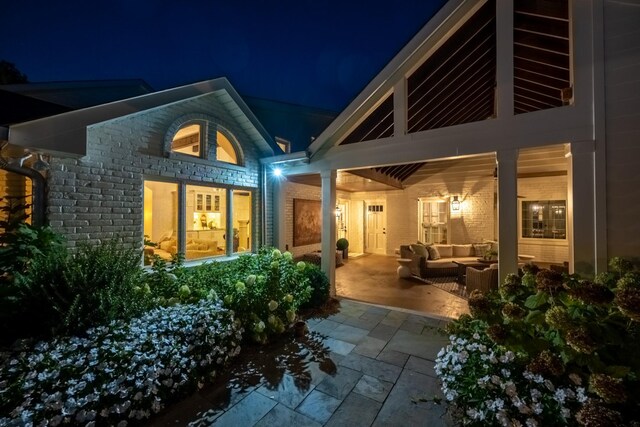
(581, 222)
(329, 226)
(279, 213)
(507, 161)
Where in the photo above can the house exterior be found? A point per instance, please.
(550, 86)
(179, 168)
(507, 121)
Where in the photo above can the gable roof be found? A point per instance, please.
(67, 133)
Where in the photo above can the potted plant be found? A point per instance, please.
(343, 245)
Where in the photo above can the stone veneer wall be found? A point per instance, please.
(100, 196)
(543, 188)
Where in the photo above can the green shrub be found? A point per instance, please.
(342, 244)
(319, 286)
(574, 341)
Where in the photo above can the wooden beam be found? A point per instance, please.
(378, 177)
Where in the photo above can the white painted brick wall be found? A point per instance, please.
(100, 196)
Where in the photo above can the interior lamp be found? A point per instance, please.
(455, 204)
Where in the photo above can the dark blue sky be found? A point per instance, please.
(317, 53)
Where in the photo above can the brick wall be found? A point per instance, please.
(100, 196)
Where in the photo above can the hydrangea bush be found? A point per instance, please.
(121, 372)
(570, 350)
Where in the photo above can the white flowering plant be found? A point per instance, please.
(119, 373)
(571, 347)
(490, 385)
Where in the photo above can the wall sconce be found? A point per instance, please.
(338, 211)
(455, 204)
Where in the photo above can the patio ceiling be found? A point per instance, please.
(534, 162)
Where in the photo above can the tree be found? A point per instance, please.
(9, 74)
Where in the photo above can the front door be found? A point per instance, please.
(376, 224)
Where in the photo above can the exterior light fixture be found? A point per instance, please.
(338, 211)
(277, 172)
(455, 204)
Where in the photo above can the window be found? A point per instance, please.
(225, 151)
(207, 226)
(160, 219)
(434, 215)
(284, 145)
(15, 196)
(241, 221)
(544, 219)
(188, 140)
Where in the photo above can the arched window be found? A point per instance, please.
(188, 140)
(226, 151)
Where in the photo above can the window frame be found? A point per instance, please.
(203, 142)
(446, 224)
(548, 240)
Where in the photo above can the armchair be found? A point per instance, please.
(485, 280)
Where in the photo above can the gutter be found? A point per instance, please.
(300, 156)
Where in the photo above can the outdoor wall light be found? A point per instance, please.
(277, 172)
(455, 204)
(338, 211)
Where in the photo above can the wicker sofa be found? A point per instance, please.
(423, 267)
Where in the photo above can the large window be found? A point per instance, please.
(225, 151)
(191, 140)
(15, 195)
(160, 219)
(434, 216)
(206, 215)
(544, 219)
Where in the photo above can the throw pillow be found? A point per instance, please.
(481, 249)
(433, 252)
(463, 250)
(445, 251)
(420, 250)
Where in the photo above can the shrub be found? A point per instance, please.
(319, 286)
(342, 244)
(574, 345)
(120, 372)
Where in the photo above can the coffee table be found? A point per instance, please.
(462, 268)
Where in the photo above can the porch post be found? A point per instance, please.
(581, 223)
(279, 214)
(329, 226)
(229, 223)
(507, 212)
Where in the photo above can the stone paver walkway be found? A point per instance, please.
(360, 367)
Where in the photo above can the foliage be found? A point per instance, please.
(342, 244)
(566, 330)
(63, 293)
(9, 73)
(120, 372)
(319, 284)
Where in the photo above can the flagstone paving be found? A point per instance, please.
(363, 366)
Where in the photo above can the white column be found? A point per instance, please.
(329, 226)
(182, 218)
(504, 58)
(581, 221)
(279, 227)
(229, 223)
(507, 212)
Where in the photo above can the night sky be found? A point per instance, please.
(316, 53)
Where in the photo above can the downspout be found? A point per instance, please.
(263, 211)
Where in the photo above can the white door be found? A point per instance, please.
(376, 227)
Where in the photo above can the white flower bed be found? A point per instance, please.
(120, 372)
(488, 387)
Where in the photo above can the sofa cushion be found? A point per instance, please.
(420, 250)
(463, 250)
(433, 252)
(445, 251)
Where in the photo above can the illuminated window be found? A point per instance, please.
(15, 196)
(188, 140)
(284, 145)
(160, 220)
(206, 222)
(544, 219)
(241, 221)
(225, 151)
(435, 217)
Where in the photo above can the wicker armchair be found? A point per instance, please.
(485, 280)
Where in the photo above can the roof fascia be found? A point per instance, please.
(434, 33)
(44, 134)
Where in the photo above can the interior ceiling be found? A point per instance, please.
(533, 162)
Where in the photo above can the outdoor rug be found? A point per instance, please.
(448, 284)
